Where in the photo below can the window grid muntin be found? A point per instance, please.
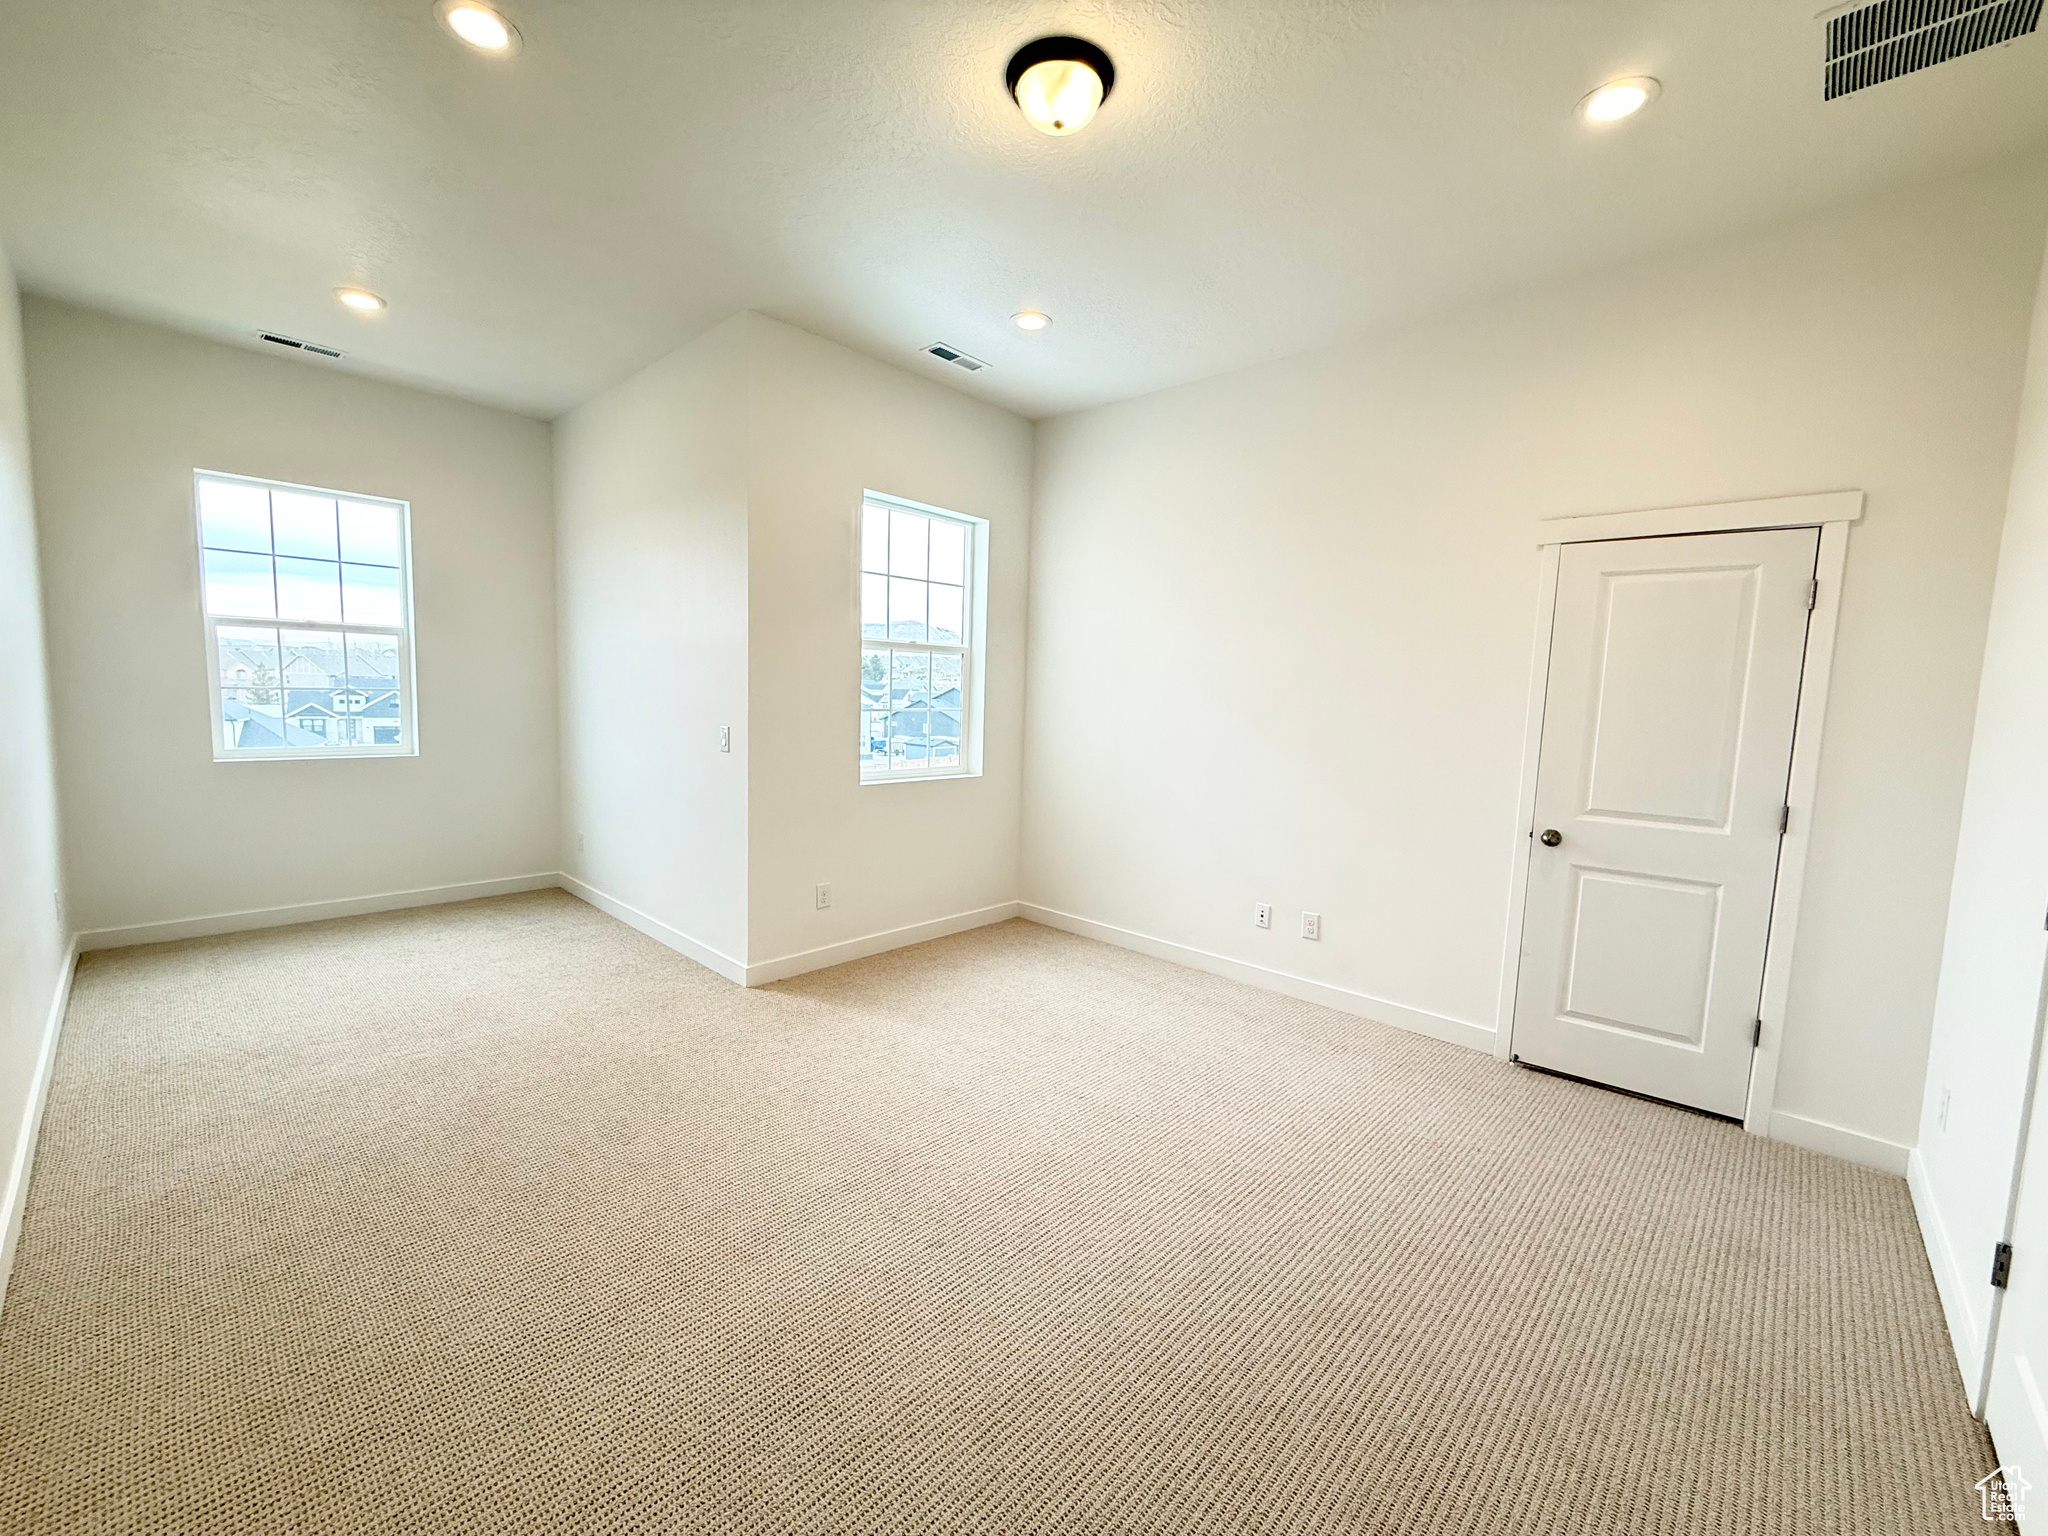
(400, 569)
(882, 562)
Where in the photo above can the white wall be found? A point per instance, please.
(1282, 620)
(34, 943)
(1988, 1003)
(707, 510)
(156, 831)
(651, 496)
(828, 424)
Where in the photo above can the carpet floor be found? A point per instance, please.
(499, 1217)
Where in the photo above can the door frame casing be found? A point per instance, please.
(1831, 512)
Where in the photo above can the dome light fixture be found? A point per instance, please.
(477, 25)
(360, 299)
(1617, 99)
(1030, 320)
(1059, 82)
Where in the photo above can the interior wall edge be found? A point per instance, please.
(651, 556)
(783, 967)
(37, 951)
(21, 1167)
(1379, 1010)
(827, 426)
(219, 923)
(1984, 1022)
(1951, 1286)
(1851, 1146)
(654, 928)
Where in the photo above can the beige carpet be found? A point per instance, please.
(501, 1218)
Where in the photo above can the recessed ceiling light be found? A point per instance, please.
(1059, 82)
(360, 299)
(479, 26)
(1030, 320)
(1618, 99)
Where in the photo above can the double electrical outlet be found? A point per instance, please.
(1311, 922)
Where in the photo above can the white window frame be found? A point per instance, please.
(409, 740)
(971, 650)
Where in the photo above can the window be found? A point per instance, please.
(919, 595)
(308, 599)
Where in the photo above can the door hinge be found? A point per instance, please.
(1812, 593)
(2001, 1264)
(1756, 1036)
(1784, 820)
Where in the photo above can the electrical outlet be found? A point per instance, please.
(1311, 925)
(1941, 1115)
(725, 738)
(1262, 914)
(824, 894)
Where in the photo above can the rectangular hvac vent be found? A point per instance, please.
(1875, 43)
(294, 342)
(959, 359)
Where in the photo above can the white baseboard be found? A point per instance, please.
(1422, 1022)
(1839, 1141)
(876, 943)
(23, 1162)
(655, 929)
(308, 912)
(1950, 1283)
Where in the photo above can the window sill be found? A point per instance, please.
(307, 755)
(917, 778)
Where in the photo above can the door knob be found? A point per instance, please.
(1551, 838)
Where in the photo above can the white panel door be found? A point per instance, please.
(2016, 1407)
(1667, 743)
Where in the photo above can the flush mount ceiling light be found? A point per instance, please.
(1618, 99)
(1030, 320)
(1058, 82)
(360, 299)
(479, 26)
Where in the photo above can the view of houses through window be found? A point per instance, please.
(306, 610)
(916, 626)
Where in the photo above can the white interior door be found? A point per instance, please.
(2016, 1406)
(1667, 743)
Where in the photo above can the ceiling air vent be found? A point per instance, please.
(959, 359)
(1871, 44)
(295, 343)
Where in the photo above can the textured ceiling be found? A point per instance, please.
(1266, 174)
